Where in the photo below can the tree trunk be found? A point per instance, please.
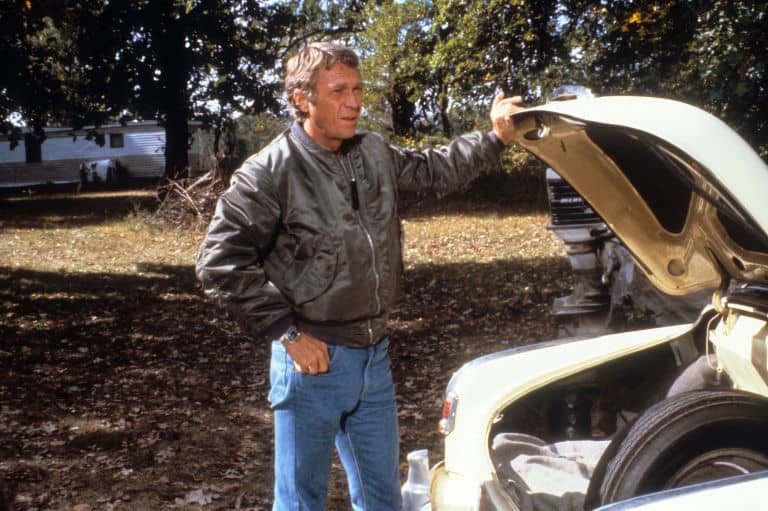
(442, 108)
(175, 98)
(176, 144)
(402, 110)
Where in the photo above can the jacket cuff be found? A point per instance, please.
(278, 328)
(496, 140)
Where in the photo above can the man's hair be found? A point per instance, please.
(301, 70)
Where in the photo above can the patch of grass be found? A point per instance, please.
(118, 231)
(113, 232)
(141, 219)
(446, 238)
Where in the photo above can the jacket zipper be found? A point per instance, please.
(356, 207)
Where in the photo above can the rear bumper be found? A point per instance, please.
(450, 491)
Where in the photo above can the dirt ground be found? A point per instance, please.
(121, 387)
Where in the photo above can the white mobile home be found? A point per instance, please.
(138, 148)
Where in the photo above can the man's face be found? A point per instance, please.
(334, 113)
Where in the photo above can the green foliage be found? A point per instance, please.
(40, 68)
(449, 57)
(711, 53)
(249, 134)
(486, 46)
(321, 19)
(395, 44)
(431, 67)
(77, 63)
(175, 61)
(727, 71)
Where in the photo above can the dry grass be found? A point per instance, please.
(121, 387)
(113, 232)
(478, 237)
(117, 231)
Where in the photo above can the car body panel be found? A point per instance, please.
(487, 385)
(596, 143)
(742, 336)
(740, 492)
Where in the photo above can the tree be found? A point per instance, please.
(77, 62)
(711, 53)
(395, 44)
(486, 45)
(728, 67)
(41, 73)
(321, 20)
(176, 61)
(426, 62)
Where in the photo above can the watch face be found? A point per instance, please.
(290, 335)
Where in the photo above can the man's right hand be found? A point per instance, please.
(309, 354)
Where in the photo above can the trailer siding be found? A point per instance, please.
(64, 151)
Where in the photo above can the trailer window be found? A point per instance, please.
(116, 140)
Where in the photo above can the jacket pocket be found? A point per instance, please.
(313, 269)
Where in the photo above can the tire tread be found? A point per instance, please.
(668, 418)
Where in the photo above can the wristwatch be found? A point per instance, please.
(290, 336)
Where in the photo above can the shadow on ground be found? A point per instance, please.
(131, 388)
(72, 210)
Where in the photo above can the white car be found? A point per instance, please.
(582, 423)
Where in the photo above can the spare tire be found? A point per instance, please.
(688, 438)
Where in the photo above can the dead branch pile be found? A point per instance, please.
(190, 202)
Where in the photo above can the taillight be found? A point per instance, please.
(445, 425)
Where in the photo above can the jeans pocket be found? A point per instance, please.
(333, 353)
(382, 350)
(280, 375)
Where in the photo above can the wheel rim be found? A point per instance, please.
(716, 465)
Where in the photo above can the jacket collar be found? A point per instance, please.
(301, 136)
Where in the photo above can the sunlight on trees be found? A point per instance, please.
(432, 66)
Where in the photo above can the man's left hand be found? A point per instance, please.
(501, 116)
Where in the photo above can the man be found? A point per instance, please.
(305, 249)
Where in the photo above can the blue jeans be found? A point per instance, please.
(351, 406)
